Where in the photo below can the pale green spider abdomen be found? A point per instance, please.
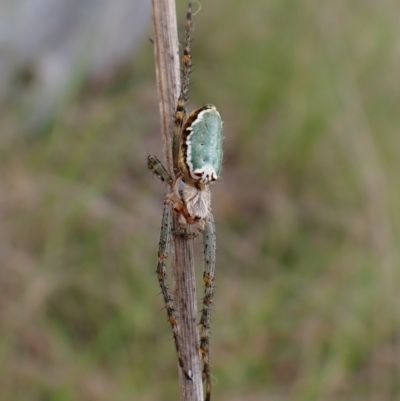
(201, 145)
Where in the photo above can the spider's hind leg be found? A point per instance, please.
(209, 240)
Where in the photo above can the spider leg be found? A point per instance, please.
(180, 112)
(209, 240)
(187, 58)
(163, 250)
(159, 170)
(154, 165)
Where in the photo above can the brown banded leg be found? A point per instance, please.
(180, 112)
(163, 250)
(209, 240)
(154, 165)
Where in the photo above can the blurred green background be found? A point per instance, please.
(307, 217)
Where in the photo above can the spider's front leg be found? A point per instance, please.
(209, 242)
(163, 249)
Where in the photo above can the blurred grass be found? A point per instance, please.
(307, 218)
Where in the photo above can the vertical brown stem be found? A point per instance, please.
(166, 52)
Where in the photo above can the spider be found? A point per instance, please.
(197, 160)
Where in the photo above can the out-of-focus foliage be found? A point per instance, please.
(307, 300)
(49, 48)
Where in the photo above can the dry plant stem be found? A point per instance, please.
(168, 83)
(166, 53)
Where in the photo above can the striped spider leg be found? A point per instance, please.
(163, 250)
(209, 242)
(197, 161)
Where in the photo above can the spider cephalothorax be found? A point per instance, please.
(192, 204)
(197, 161)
